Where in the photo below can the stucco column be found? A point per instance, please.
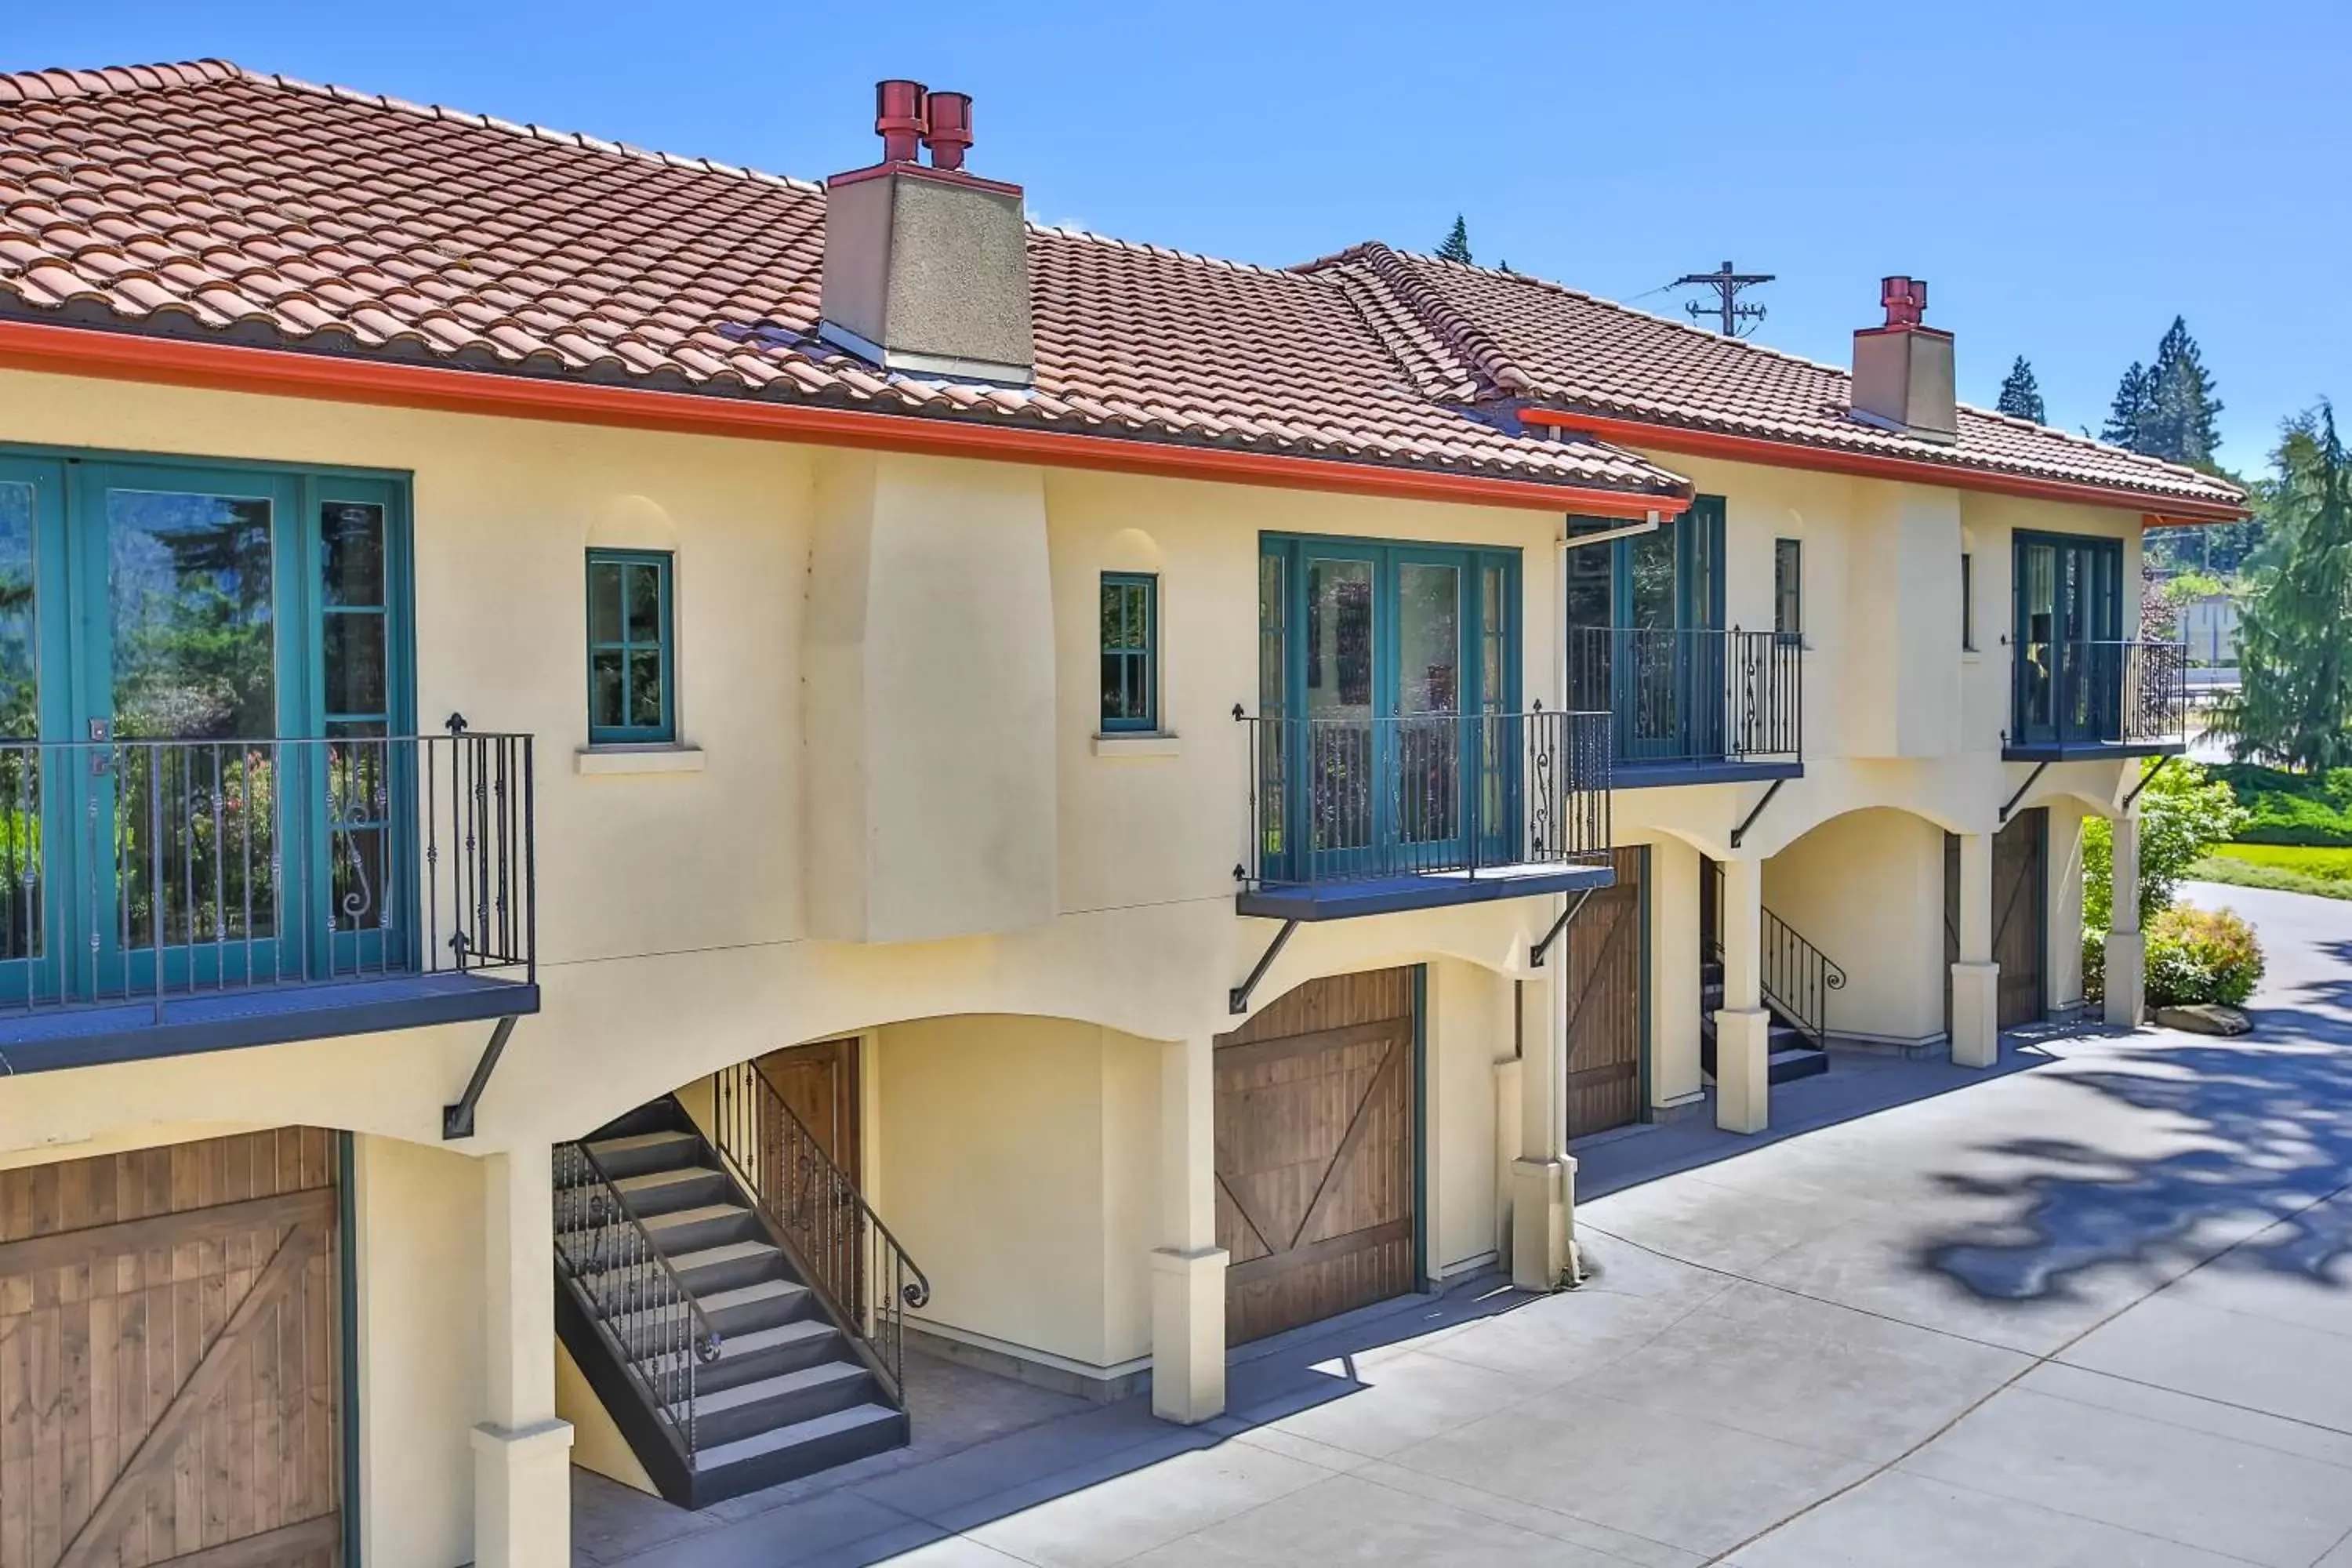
(1675, 1007)
(1976, 978)
(1188, 1268)
(1543, 1178)
(1743, 1029)
(522, 1453)
(2126, 944)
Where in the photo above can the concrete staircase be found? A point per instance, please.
(1791, 1055)
(789, 1393)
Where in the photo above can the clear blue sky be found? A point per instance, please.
(2067, 174)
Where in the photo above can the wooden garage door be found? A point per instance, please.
(170, 1365)
(1603, 946)
(2020, 915)
(2017, 914)
(1315, 1153)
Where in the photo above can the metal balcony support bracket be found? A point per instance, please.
(2010, 804)
(1536, 954)
(1740, 832)
(1238, 998)
(457, 1121)
(2146, 779)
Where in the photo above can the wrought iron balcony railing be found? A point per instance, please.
(1691, 696)
(2091, 694)
(1364, 799)
(147, 873)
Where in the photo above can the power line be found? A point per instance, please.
(1727, 284)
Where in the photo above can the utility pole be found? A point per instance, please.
(1727, 284)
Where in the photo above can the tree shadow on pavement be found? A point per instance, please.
(2262, 1134)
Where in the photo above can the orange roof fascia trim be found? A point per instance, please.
(81, 350)
(2180, 511)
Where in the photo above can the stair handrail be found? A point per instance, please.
(1785, 955)
(1813, 973)
(834, 1236)
(662, 1348)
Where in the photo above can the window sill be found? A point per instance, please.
(591, 761)
(1139, 744)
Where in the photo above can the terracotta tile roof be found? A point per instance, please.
(204, 200)
(1475, 333)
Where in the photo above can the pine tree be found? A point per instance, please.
(2021, 397)
(2293, 705)
(2177, 421)
(1456, 247)
(2129, 411)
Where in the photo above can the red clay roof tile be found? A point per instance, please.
(190, 198)
(1525, 338)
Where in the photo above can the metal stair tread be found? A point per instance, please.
(720, 1302)
(748, 1295)
(778, 1440)
(785, 1383)
(657, 1223)
(629, 1143)
(754, 1341)
(654, 1180)
(725, 1252)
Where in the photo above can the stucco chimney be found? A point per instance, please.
(927, 267)
(1902, 377)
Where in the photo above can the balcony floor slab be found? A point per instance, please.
(2089, 751)
(1340, 900)
(1672, 774)
(78, 1035)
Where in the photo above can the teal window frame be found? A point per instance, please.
(1128, 657)
(1668, 713)
(1789, 589)
(1490, 666)
(71, 577)
(663, 565)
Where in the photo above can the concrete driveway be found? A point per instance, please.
(2097, 1314)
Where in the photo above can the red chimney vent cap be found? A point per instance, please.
(948, 128)
(1905, 299)
(900, 118)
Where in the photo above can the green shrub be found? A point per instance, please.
(2202, 955)
(2313, 809)
(2182, 814)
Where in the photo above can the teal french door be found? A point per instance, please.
(198, 665)
(1392, 663)
(2068, 663)
(1646, 617)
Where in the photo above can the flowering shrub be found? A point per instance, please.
(2202, 955)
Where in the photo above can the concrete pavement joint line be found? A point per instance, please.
(2050, 1358)
(2196, 1399)
(1821, 1300)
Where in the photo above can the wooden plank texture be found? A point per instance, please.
(1314, 1156)
(1603, 959)
(169, 1357)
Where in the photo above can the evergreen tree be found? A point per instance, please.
(2021, 397)
(1456, 247)
(2177, 422)
(2129, 410)
(2294, 706)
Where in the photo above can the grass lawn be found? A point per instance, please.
(2285, 868)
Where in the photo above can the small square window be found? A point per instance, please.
(1130, 653)
(632, 670)
(1788, 589)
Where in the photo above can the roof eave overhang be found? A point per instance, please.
(2177, 510)
(236, 367)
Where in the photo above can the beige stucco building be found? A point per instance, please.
(988, 814)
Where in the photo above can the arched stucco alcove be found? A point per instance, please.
(1867, 887)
